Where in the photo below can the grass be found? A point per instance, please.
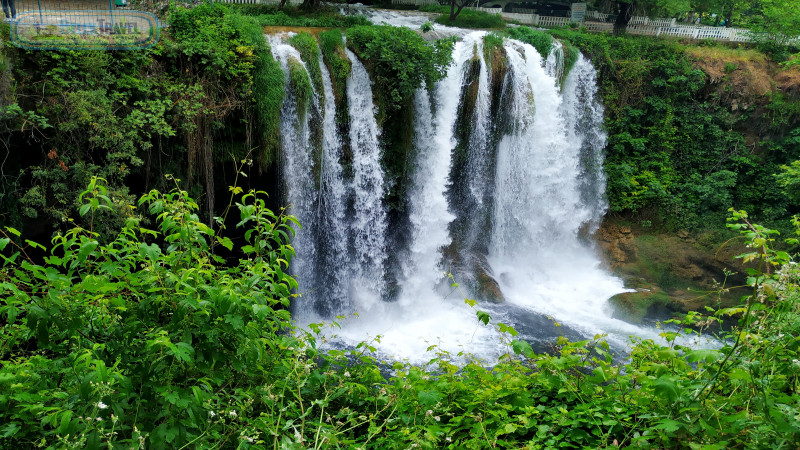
(467, 18)
(293, 17)
(307, 46)
(719, 52)
(540, 40)
(267, 93)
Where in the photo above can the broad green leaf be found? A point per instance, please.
(666, 388)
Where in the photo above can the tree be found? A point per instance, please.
(455, 7)
(650, 8)
(778, 19)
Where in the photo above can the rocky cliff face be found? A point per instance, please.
(668, 272)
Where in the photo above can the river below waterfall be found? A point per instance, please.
(505, 193)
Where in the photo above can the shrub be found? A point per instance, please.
(400, 61)
(151, 339)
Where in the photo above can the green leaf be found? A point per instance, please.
(668, 425)
(521, 347)
(483, 317)
(666, 388)
(150, 252)
(9, 430)
(4, 242)
(225, 242)
(183, 352)
(429, 398)
(703, 355)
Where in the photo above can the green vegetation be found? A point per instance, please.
(540, 40)
(270, 16)
(466, 18)
(267, 91)
(307, 46)
(300, 85)
(332, 46)
(399, 61)
(151, 339)
(678, 153)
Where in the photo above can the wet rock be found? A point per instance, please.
(486, 286)
(634, 307)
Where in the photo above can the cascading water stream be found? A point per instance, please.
(296, 148)
(368, 226)
(424, 314)
(507, 181)
(332, 232)
(584, 117)
(544, 201)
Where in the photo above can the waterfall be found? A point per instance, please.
(554, 64)
(584, 117)
(406, 325)
(506, 186)
(332, 266)
(369, 215)
(546, 195)
(296, 146)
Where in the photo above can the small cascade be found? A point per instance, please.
(301, 193)
(368, 224)
(554, 64)
(584, 117)
(331, 294)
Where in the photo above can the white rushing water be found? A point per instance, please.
(297, 151)
(427, 312)
(331, 212)
(413, 20)
(369, 215)
(530, 190)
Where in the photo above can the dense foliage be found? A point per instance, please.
(400, 61)
(210, 89)
(467, 18)
(152, 340)
(678, 152)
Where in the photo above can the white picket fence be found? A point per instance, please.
(262, 2)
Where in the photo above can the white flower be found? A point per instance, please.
(429, 412)
(102, 405)
(211, 414)
(99, 419)
(437, 418)
(448, 439)
(232, 413)
(346, 373)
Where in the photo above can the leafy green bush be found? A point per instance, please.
(307, 46)
(468, 18)
(151, 339)
(540, 40)
(399, 60)
(154, 340)
(332, 46)
(300, 84)
(267, 91)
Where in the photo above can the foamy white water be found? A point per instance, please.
(529, 193)
(427, 311)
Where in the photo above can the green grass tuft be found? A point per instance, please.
(540, 40)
